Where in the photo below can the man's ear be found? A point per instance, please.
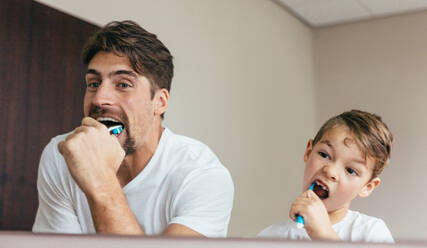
(162, 101)
(308, 150)
(369, 187)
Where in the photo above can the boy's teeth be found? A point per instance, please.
(322, 186)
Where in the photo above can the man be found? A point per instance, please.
(145, 180)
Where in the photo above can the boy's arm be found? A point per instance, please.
(316, 218)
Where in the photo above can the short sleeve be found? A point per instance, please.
(204, 201)
(379, 233)
(55, 212)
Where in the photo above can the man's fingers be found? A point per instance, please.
(89, 121)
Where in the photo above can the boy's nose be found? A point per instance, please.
(331, 172)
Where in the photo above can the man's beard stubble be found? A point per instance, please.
(129, 145)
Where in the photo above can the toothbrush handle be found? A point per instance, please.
(300, 221)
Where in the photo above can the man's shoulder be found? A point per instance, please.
(56, 139)
(189, 151)
(187, 158)
(50, 155)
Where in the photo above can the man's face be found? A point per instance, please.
(338, 168)
(115, 92)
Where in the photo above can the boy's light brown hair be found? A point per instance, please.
(370, 133)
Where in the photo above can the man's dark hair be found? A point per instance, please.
(147, 55)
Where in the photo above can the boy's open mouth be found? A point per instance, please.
(321, 190)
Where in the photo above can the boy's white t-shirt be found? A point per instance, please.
(355, 226)
(183, 183)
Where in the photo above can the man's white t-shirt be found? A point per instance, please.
(354, 227)
(184, 183)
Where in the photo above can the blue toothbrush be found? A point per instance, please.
(115, 130)
(300, 219)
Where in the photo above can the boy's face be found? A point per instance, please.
(339, 169)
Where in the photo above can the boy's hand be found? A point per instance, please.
(316, 218)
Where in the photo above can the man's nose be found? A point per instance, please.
(104, 95)
(331, 172)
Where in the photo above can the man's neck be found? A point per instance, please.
(134, 163)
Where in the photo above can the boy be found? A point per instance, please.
(343, 161)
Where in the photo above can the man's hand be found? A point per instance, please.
(316, 218)
(93, 156)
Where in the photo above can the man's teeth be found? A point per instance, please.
(106, 119)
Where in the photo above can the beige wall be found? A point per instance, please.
(244, 85)
(381, 66)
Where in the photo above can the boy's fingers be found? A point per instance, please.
(311, 195)
(299, 206)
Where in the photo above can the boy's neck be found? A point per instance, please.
(337, 215)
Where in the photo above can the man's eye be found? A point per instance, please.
(324, 155)
(93, 85)
(352, 171)
(123, 85)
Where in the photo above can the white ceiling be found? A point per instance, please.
(319, 13)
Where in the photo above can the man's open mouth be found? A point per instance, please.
(321, 190)
(110, 122)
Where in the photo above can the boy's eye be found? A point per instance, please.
(324, 155)
(352, 171)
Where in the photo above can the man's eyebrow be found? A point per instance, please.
(125, 72)
(114, 73)
(92, 71)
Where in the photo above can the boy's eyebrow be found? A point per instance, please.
(359, 161)
(356, 160)
(328, 143)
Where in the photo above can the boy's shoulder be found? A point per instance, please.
(357, 219)
(357, 226)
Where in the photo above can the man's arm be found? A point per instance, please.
(204, 200)
(111, 213)
(93, 157)
(181, 230)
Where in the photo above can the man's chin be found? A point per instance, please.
(129, 146)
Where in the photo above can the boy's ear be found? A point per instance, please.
(369, 187)
(308, 150)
